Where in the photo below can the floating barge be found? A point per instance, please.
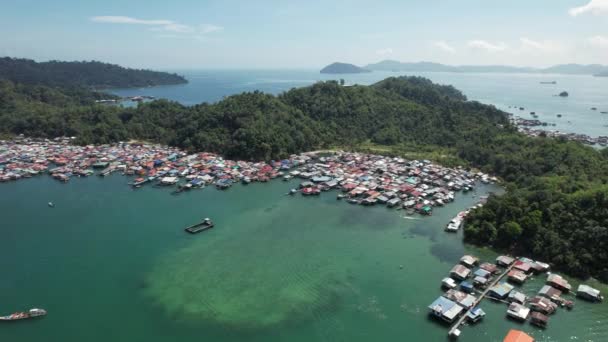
(201, 226)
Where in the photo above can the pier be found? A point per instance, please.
(454, 329)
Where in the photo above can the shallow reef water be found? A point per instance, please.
(272, 277)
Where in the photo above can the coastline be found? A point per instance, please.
(416, 186)
(498, 89)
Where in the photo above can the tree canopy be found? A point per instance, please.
(81, 74)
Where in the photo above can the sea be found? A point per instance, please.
(506, 91)
(110, 263)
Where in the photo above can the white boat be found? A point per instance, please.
(32, 313)
(456, 222)
(168, 180)
(448, 283)
(454, 225)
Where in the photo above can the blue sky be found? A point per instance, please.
(306, 34)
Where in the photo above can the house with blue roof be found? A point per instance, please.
(445, 309)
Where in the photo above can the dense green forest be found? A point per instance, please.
(556, 206)
(81, 74)
(555, 209)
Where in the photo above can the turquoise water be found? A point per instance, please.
(113, 264)
(501, 90)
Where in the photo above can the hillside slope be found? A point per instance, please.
(81, 74)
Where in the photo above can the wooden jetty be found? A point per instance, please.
(454, 331)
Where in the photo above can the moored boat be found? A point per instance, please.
(199, 227)
(139, 181)
(32, 313)
(223, 184)
(448, 283)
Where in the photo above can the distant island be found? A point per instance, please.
(83, 74)
(602, 74)
(343, 68)
(569, 69)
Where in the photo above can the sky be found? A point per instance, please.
(275, 34)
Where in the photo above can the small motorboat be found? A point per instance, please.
(51, 204)
(448, 283)
(32, 313)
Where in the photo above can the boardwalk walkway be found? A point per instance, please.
(479, 299)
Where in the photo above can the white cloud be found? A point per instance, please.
(540, 46)
(209, 28)
(163, 25)
(113, 19)
(527, 42)
(386, 51)
(443, 45)
(487, 46)
(595, 7)
(179, 28)
(598, 41)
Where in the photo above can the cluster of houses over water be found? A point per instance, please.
(416, 185)
(526, 126)
(366, 179)
(147, 163)
(582, 138)
(469, 282)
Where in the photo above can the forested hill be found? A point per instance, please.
(81, 74)
(342, 68)
(261, 126)
(555, 209)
